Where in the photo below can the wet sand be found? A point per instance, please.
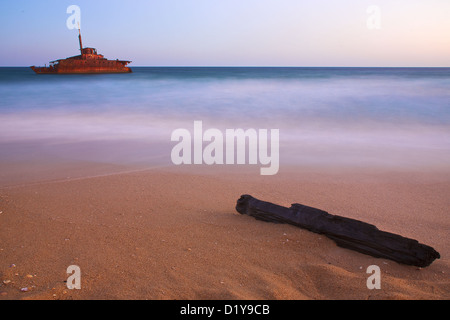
(174, 233)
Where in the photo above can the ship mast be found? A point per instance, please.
(79, 38)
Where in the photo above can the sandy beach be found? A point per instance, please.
(173, 233)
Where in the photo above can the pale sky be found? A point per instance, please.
(398, 33)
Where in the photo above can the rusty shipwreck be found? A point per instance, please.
(89, 61)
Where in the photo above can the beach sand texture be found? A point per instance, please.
(174, 233)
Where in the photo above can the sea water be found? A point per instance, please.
(356, 117)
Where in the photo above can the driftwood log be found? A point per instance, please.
(347, 233)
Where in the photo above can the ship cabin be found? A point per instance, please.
(89, 51)
(91, 54)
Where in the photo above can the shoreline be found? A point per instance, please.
(173, 233)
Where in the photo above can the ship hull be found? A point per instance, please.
(77, 70)
(77, 65)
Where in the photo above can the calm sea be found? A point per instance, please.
(350, 116)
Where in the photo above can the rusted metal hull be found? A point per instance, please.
(84, 66)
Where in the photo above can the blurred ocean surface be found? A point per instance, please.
(358, 117)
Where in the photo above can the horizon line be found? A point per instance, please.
(256, 66)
